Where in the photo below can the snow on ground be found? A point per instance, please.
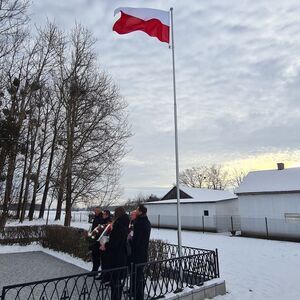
(36, 247)
(79, 220)
(252, 268)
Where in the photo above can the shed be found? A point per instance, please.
(201, 209)
(269, 203)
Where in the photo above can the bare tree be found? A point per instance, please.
(27, 72)
(217, 178)
(13, 17)
(210, 177)
(236, 177)
(96, 127)
(63, 123)
(194, 177)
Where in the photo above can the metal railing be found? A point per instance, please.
(104, 285)
(151, 280)
(156, 279)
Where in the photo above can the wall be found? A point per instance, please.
(227, 208)
(165, 215)
(263, 215)
(227, 213)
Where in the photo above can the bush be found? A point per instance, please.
(156, 250)
(24, 235)
(66, 239)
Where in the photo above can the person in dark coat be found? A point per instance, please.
(129, 238)
(116, 252)
(98, 220)
(104, 254)
(140, 245)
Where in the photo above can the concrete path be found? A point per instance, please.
(24, 267)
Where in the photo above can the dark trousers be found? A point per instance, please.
(105, 265)
(96, 257)
(117, 284)
(137, 282)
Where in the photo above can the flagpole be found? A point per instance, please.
(176, 140)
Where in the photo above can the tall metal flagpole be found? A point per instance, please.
(176, 140)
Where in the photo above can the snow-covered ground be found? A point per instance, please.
(252, 268)
(79, 220)
(35, 247)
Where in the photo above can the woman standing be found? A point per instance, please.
(117, 252)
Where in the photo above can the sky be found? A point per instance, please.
(238, 83)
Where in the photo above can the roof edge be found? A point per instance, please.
(190, 202)
(267, 192)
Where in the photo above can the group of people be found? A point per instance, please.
(120, 241)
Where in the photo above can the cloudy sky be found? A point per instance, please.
(238, 67)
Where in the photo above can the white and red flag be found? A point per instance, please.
(154, 22)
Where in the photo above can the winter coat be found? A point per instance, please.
(98, 220)
(107, 220)
(116, 247)
(140, 239)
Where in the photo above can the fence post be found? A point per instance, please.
(80, 218)
(267, 229)
(3, 294)
(203, 223)
(158, 225)
(131, 282)
(217, 264)
(231, 218)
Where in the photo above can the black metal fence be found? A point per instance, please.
(151, 280)
(156, 279)
(81, 287)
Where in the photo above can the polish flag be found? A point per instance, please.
(154, 22)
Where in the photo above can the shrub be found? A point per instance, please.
(24, 235)
(156, 250)
(66, 239)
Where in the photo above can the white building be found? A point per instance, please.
(206, 209)
(269, 203)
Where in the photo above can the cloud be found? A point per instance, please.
(237, 80)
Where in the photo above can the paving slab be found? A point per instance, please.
(16, 268)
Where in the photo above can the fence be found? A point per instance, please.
(23, 235)
(198, 223)
(264, 227)
(156, 279)
(144, 281)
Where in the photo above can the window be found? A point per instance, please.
(206, 213)
(292, 217)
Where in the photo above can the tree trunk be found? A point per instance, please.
(61, 190)
(9, 186)
(38, 171)
(29, 173)
(3, 154)
(46, 189)
(69, 160)
(23, 178)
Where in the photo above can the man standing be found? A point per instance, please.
(140, 244)
(98, 220)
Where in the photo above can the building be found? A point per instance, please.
(269, 203)
(201, 209)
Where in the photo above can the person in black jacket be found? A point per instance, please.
(106, 216)
(116, 252)
(104, 254)
(98, 220)
(140, 244)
